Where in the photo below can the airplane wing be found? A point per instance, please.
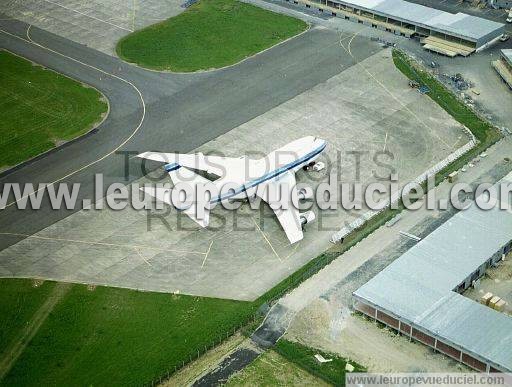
(216, 165)
(288, 218)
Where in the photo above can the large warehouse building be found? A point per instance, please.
(419, 294)
(442, 32)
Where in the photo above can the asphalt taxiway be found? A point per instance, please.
(365, 108)
(158, 111)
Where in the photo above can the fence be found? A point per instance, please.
(199, 352)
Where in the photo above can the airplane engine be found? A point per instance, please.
(307, 217)
(305, 194)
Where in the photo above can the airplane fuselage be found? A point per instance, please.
(289, 158)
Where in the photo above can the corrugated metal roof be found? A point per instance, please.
(418, 286)
(461, 24)
(507, 53)
(483, 331)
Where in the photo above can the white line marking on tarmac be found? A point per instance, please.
(89, 16)
(101, 71)
(457, 141)
(79, 241)
(293, 250)
(348, 50)
(141, 256)
(207, 253)
(265, 237)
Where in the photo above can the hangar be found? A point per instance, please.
(443, 32)
(419, 294)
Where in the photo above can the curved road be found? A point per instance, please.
(158, 111)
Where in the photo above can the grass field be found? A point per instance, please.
(19, 300)
(332, 372)
(210, 34)
(112, 336)
(39, 109)
(271, 369)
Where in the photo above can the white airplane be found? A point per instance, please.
(245, 178)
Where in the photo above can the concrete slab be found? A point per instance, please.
(367, 108)
(97, 24)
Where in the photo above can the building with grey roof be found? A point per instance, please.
(503, 66)
(507, 56)
(443, 32)
(419, 294)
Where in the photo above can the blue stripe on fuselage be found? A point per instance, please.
(171, 167)
(270, 175)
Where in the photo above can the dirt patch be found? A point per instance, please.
(330, 326)
(190, 373)
(271, 369)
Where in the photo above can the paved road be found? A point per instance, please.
(231, 364)
(158, 111)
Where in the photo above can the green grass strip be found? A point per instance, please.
(40, 109)
(210, 34)
(19, 300)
